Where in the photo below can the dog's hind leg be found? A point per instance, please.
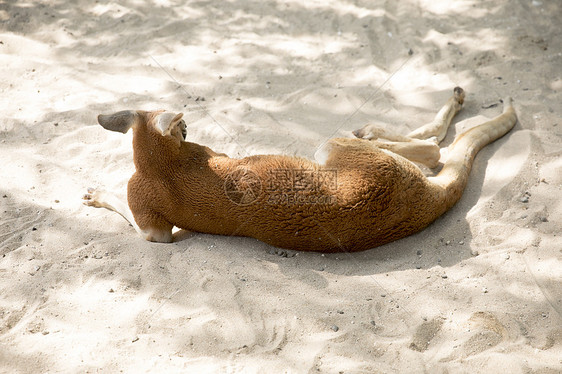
(421, 145)
(437, 129)
(424, 152)
(102, 199)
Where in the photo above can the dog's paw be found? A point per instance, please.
(92, 198)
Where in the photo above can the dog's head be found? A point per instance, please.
(164, 123)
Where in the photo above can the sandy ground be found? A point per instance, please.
(478, 291)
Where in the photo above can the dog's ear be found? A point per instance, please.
(120, 121)
(166, 122)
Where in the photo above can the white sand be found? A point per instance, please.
(80, 291)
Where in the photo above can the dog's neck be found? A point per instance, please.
(152, 152)
(158, 155)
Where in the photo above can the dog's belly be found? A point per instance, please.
(344, 230)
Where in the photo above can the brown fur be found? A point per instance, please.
(379, 196)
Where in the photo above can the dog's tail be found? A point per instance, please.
(454, 175)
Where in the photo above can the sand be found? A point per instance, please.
(478, 291)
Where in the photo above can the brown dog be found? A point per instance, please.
(359, 194)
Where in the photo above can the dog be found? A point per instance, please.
(357, 194)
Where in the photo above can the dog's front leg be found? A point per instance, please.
(102, 199)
